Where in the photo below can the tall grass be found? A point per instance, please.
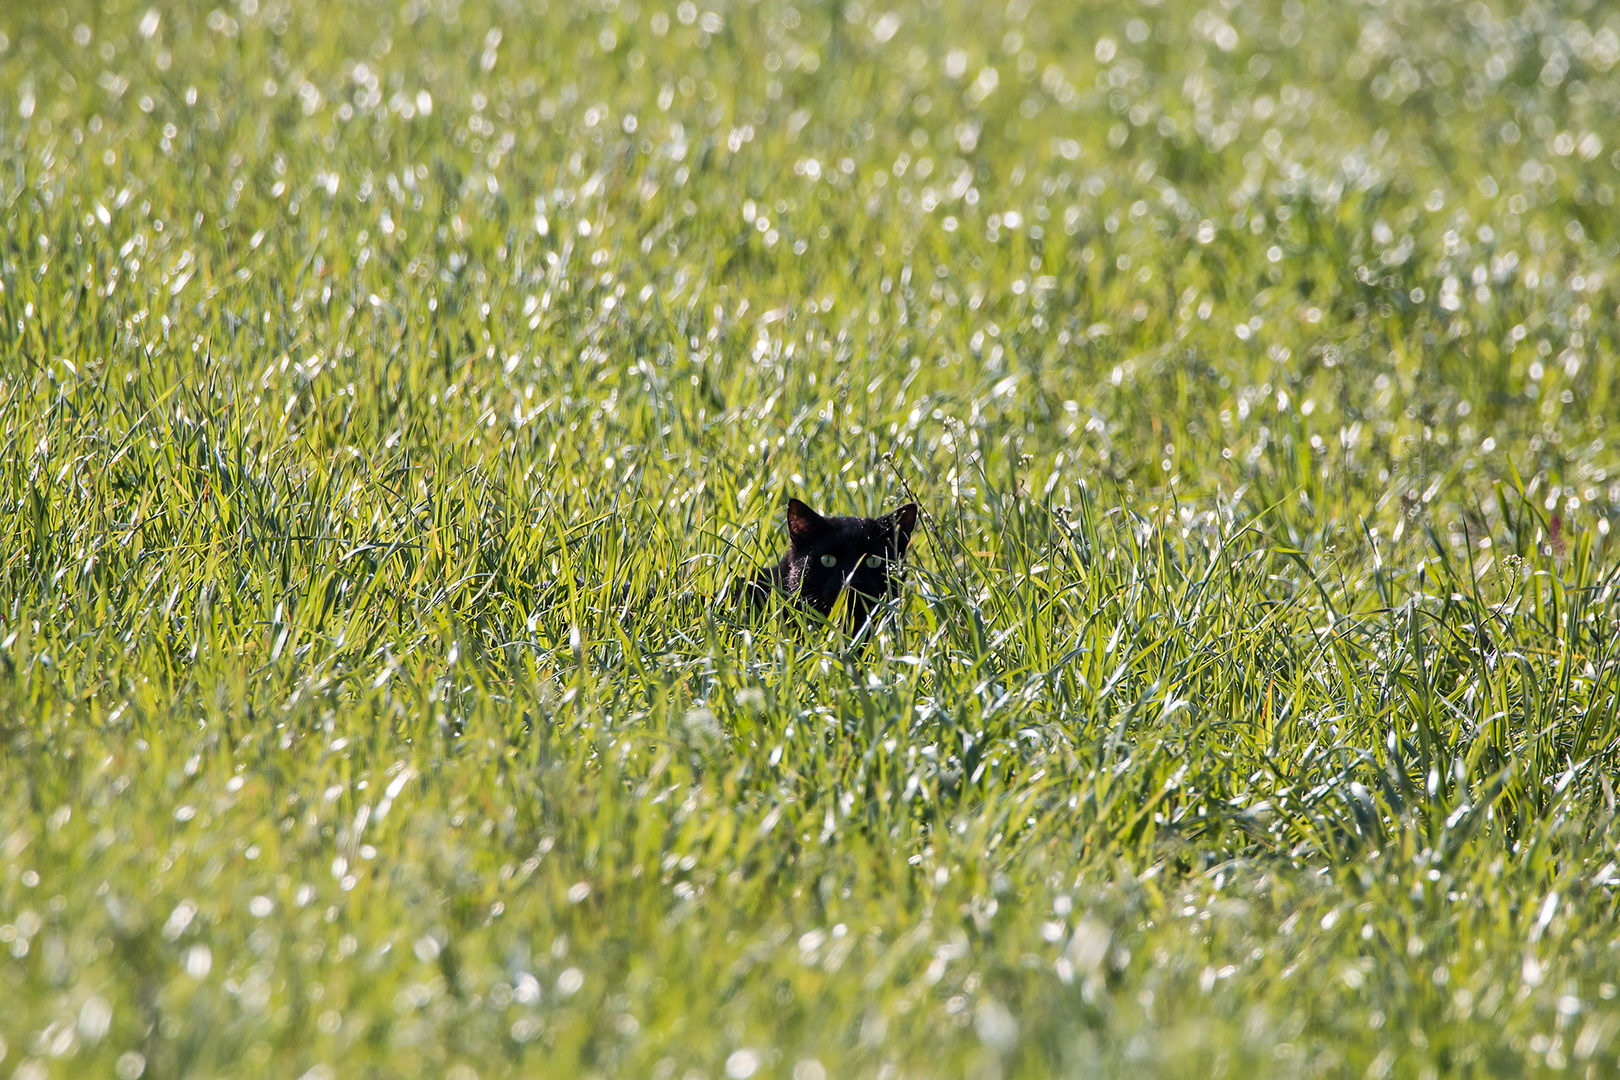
(391, 392)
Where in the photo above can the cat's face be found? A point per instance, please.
(830, 554)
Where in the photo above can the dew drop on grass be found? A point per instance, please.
(95, 1018)
(996, 1026)
(197, 961)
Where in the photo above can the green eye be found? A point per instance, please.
(873, 561)
(829, 561)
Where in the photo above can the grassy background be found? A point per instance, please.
(387, 389)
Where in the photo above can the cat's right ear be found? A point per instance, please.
(803, 522)
(902, 521)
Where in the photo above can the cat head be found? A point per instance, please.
(829, 554)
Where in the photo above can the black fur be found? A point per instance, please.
(865, 552)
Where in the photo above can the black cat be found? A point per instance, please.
(827, 555)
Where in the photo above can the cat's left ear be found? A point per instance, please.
(903, 521)
(802, 522)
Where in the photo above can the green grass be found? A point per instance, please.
(386, 390)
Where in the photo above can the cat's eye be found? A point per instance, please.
(829, 561)
(873, 561)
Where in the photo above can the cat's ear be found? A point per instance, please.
(803, 522)
(903, 521)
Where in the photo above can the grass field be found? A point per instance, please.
(387, 390)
